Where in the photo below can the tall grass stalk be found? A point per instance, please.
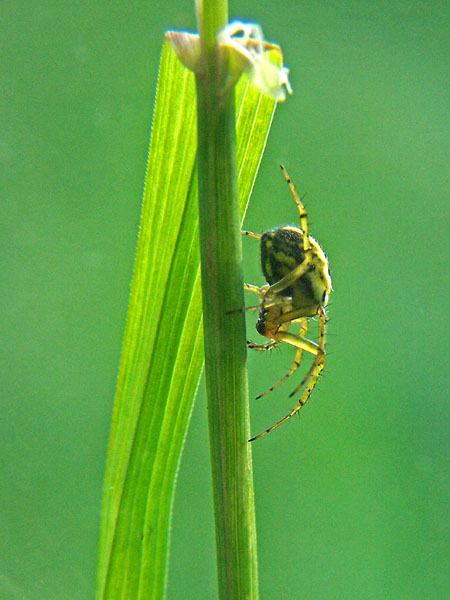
(224, 334)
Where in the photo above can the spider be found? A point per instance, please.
(298, 287)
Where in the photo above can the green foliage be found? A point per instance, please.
(162, 351)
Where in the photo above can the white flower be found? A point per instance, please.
(247, 42)
(247, 53)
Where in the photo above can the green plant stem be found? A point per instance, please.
(225, 351)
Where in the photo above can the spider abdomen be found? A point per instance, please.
(282, 251)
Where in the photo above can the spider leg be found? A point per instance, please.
(298, 342)
(295, 364)
(301, 211)
(277, 301)
(291, 277)
(268, 346)
(293, 316)
(318, 365)
(300, 269)
(251, 234)
(322, 331)
(252, 288)
(263, 305)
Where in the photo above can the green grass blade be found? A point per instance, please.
(162, 351)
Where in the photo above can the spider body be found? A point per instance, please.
(298, 287)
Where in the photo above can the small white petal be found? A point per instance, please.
(270, 79)
(246, 42)
(187, 46)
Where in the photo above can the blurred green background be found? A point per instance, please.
(352, 497)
